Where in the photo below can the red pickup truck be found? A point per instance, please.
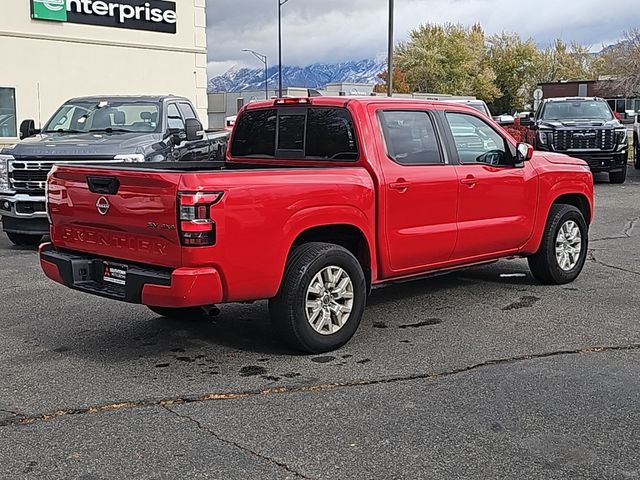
(318, 200)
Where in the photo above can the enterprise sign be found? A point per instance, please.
(152, 15)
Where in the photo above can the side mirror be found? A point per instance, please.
(525, 152)
(505, 120)
(28, 129)
(526, 121)
(193, 129)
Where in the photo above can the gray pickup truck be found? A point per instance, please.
(96, 129)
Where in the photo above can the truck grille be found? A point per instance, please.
(584, 140)
(30, 176)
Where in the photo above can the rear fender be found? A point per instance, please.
(339, 215)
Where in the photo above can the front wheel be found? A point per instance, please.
(563, 251)
(23, 239)
(618, 177)
(322, 298)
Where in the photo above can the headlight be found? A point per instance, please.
(4, 171)
(130, 158)
(621, 136)
(542, 136)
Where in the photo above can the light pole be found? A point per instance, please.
(263, 58)
(390, 52)
(280, 4)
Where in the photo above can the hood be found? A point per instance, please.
(561, 159)
(83, 144)
(578, 123)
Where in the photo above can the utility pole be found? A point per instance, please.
(280, 4)
(263, 58)
(390, 52)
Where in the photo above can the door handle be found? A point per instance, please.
(401, 185)
(470, 181)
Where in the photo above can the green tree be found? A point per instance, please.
(515, 62)
(448, 59)
(562, 61)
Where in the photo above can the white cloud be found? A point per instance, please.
(338, 30)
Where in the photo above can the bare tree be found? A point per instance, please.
(622, 61)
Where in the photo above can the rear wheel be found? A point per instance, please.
(563, 250)
(618, 177)
(192, 313)
(23, 239)
(322, 298)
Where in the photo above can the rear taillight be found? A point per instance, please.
(197, 227)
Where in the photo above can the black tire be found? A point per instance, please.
(23, 239)
(544, 264)
(184, 314)
(288, 308)
(618, 177)
(636, 159)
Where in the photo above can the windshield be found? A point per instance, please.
(577, 110)
(105, 116)
(480, 106)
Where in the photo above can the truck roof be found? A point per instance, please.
(343, 101)
(126, 98)
(573, 99)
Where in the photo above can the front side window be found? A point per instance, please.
(187, 111)
(8, 123)
(476, 141)
(410, 137)
(118, 116)
(174, 119)
(315, 133)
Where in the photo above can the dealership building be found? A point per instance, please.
(53, 50)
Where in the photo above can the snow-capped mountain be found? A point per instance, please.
(313, 76)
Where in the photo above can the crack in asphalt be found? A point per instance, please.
(626, 231)
(236, 444)
(23, 419)
(592, 257)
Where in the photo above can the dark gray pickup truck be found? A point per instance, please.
(96, 129)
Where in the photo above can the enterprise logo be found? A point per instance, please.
(154, 15)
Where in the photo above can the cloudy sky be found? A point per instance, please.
(338, 30)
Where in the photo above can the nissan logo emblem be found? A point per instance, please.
(103, 206)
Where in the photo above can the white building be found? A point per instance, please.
(52, 50)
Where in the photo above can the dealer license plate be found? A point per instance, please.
(115, 273)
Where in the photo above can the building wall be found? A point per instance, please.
(50, 62)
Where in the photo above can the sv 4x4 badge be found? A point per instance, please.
(161, 226)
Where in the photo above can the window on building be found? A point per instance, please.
(8, 122)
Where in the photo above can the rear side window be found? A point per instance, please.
(255, 134)
(410, 137)
(296, 133)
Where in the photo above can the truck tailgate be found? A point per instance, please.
(119, 214)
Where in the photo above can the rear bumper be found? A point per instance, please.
(182, 287)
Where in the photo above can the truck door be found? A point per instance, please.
(497, 200)
(420, 191)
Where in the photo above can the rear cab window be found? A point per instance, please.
(297, 133)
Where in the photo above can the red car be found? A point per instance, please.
(318, 200)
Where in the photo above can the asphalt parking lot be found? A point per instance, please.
(479, 374)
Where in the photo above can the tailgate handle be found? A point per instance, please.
(108, 185)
